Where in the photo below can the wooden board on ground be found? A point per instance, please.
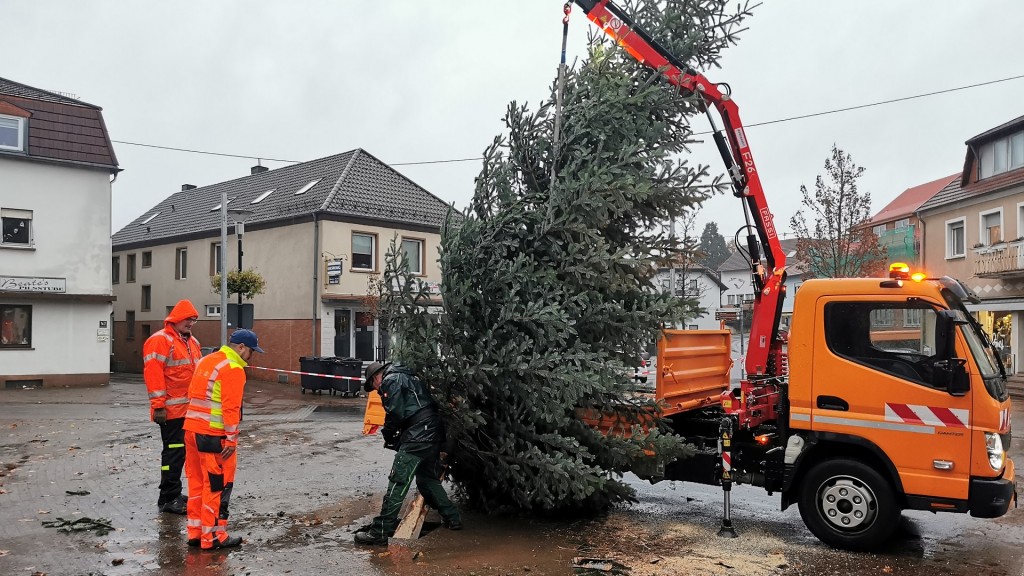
(412, 523)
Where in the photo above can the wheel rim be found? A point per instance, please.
(847, 504)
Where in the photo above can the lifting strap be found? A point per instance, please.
(566, 9)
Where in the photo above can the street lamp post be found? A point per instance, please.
(240, 215)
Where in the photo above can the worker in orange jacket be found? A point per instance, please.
(211, 436)
(169, 359)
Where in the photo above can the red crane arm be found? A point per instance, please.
(769, 285)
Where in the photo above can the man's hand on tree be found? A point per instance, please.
(160, 415)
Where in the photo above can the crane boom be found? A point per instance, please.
(764, 359)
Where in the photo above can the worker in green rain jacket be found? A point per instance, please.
(412, 427)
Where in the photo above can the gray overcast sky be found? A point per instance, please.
(418, 81)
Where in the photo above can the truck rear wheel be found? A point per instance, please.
(847, 504)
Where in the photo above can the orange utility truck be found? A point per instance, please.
(888, 396)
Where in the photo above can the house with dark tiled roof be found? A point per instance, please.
(56, 168)
(739, 288)
(317, 232)
(896, 224)
(696, 283)
(974, 230)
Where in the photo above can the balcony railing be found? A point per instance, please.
(1000, 261)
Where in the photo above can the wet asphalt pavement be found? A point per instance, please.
(307, 479)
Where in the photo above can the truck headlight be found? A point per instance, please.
(994, 446)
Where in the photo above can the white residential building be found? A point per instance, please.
(56, 163)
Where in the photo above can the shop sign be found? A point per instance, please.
(32, 284)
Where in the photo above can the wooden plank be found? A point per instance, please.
(412, 523)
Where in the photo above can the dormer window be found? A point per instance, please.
(12, 133)
(218, 206)
(1001, 155)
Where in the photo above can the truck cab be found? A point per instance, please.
(896, 400)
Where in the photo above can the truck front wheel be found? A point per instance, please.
(847, 504)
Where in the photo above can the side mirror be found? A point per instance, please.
(951, 375)
(949, 372)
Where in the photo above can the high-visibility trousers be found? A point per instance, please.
(172, 458)
(210, 480)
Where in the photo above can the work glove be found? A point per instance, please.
(160, 415)
(390, 438)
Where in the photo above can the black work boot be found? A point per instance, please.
(177, 506)
(453, 523)
(229, 542)
(370, 539)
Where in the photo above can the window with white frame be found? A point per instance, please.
(17, 227)
(990, 227)
(12, 133)
(413, 250)
(181, 264)
(882, 317)
(912, 317)
(1001, 155)
(878, 230)
(215, 258)
(213, 310)
(364, 251)
(903, 223)
(955, 238)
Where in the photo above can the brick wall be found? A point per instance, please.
(284, 340)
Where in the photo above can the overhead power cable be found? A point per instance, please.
(879, 103)
(777, 121)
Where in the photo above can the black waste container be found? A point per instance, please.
(314, 382)
(351, 368)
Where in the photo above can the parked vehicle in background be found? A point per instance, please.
(646, 368)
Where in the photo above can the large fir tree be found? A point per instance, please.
(713, 250)
(547, 292)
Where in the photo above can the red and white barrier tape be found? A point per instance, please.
(308, 373)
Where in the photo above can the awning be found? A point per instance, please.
(1001, 305)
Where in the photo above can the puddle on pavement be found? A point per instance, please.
(356, 407)
(486, 546)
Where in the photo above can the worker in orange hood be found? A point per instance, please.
(170, 357)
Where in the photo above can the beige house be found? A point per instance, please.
(317, 232)
(974, 231)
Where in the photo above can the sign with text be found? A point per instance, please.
(32, 284)
(727, 315)
(334, 271)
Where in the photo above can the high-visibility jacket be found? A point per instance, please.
(169, 359)
(215, 396)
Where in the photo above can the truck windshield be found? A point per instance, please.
(956, 292)
(984, 355)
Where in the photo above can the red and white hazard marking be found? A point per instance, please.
(307, 373)
(1004, 421)
(726, 461)
(928, 415)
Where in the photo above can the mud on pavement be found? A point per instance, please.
(307, 479)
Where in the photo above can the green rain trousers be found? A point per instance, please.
(421, 460)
